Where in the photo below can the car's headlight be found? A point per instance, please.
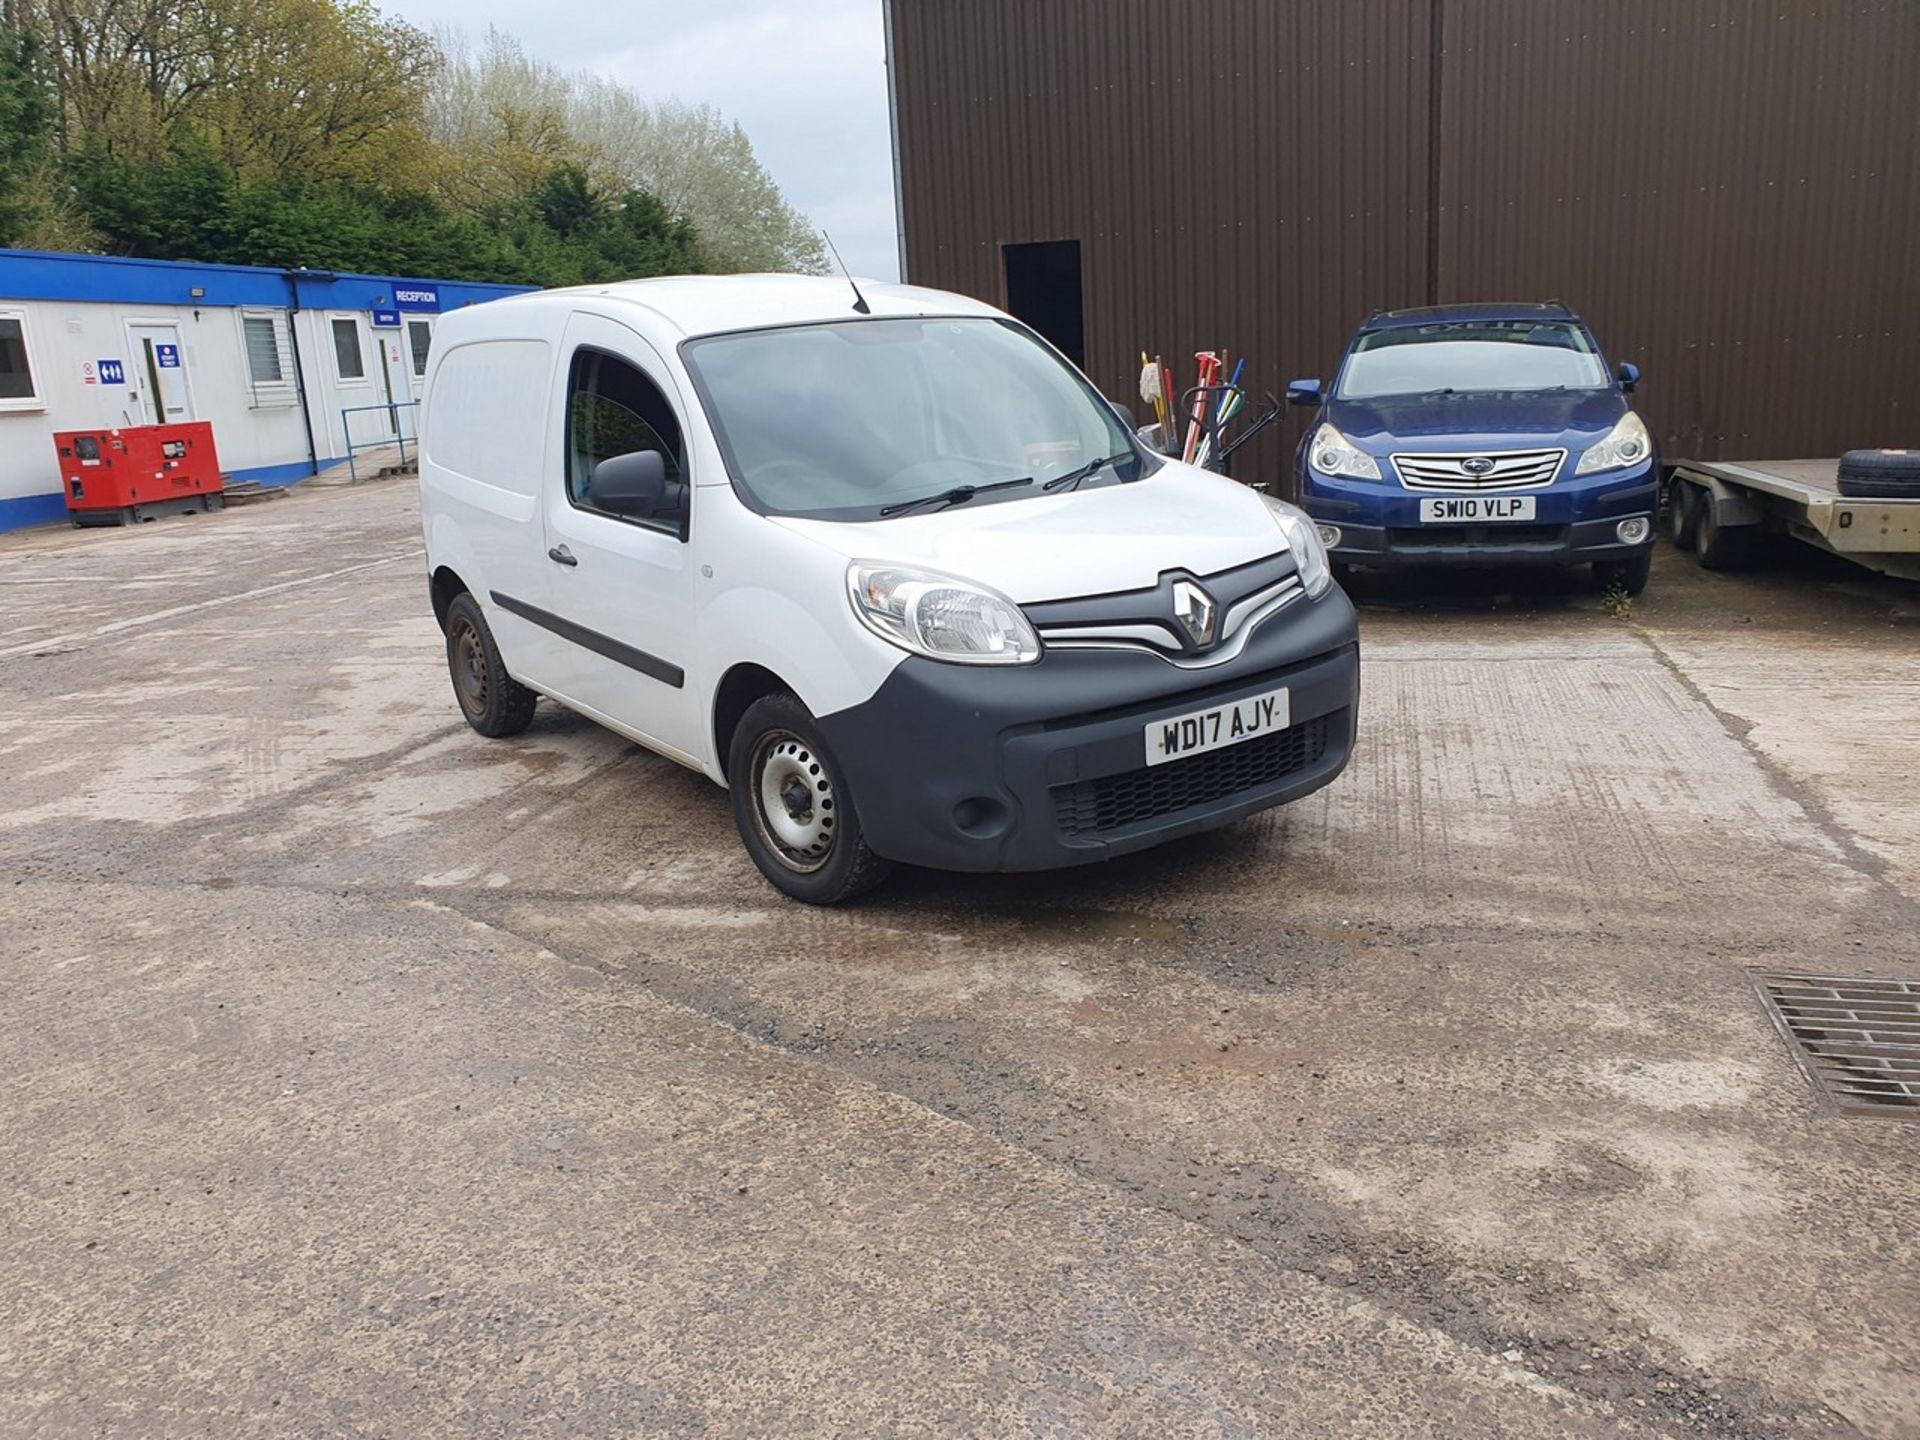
(1333, 454)
(1626, 444)
(940, 616)
(1303, 540)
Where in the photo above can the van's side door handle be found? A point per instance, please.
(561, 555)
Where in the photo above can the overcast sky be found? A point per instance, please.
(808, 82)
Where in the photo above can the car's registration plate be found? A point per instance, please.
(1471, 509)
(1213, 729)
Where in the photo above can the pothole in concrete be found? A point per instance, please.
(1857, 1039)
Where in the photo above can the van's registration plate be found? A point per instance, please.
(1217, 728)
(1471, 509)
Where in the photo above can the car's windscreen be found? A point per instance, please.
(843, 420)
(1471, 356)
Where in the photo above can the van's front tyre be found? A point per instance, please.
(790, 800)
(494, 702)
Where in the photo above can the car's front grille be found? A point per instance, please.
(1113, 802)
(1477, 470)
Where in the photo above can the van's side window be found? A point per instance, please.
(613, 409)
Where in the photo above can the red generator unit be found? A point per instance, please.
(141, 472)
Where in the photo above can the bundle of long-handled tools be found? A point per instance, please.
(1211, 409)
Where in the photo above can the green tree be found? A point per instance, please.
(505, 120)
(26, 131)
(321, 133)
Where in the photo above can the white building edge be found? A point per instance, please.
(272, 358)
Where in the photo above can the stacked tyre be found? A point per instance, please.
(1880, 474)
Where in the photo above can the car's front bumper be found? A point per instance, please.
(967, 768)
(1575, 522)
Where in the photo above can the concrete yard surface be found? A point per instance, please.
(363, 1076)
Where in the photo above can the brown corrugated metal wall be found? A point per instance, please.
(1728, 190)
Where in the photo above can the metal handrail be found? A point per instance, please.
(393, 409)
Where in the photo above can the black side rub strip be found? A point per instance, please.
(652, 666)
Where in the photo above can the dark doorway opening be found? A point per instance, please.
(1043, 289)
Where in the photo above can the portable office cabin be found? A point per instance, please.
(270, 357)
(1729, 190)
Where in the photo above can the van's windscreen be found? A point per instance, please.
(843, 420)
(1471, 356)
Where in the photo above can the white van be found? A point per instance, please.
(887, 567)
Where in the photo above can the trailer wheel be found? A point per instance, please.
(1720, 547)
(1683, 514)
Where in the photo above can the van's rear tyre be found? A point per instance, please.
(1683, 514)
(494, 702)
(1717, 546)
(796, 815)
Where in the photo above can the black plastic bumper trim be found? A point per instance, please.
(1378, 546)
(962, 770)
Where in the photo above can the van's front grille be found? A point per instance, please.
(1114, 802)
(1477, 470)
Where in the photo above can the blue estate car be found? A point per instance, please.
(1480, 434)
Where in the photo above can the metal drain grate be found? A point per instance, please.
(1858, 1040)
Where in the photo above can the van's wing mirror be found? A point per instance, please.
(1151, 437)
(634, 485)
(1303, 392)
(1629, 375)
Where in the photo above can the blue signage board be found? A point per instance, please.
(415, 295)
(167, 357)
(386, 319)
(112, 372)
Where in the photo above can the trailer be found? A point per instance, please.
(1718, 509)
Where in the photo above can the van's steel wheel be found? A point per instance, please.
(494, 702)
(792, 806)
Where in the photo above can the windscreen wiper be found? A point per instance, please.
(958, 495)
(1074, 477)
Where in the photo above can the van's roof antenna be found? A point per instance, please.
(859, 301)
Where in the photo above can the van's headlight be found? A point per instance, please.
(1333, 454)
(1303, 541)
(940, 616)
(1626, 444)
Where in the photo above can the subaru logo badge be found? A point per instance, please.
(1196, 611)
(1478, 465)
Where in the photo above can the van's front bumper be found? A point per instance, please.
(962, 767)
(1575, 521)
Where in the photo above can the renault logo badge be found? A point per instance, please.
(1196, 611)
